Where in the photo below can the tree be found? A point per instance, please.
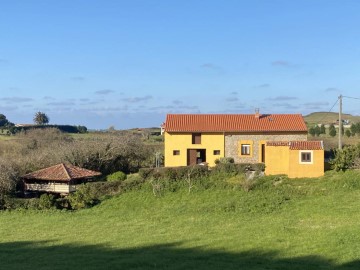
(41, 118)
(332, 131)
(317, 131)
(312, 131)
(322, 129)
(4, 122)
(355, 129)
(348, 133)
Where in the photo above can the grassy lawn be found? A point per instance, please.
(295, 224)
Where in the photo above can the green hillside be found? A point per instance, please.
(328, 118)
(281, 224)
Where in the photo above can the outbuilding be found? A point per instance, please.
(61, 178)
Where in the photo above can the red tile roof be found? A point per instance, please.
(234, 123)
(277, 143)
(306, 145)
(61, 172)
(298, 145)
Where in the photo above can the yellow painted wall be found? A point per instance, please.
(276, 160)
(183, 141)
(282, 160)
(315, 169)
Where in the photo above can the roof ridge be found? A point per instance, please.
(235, 123)
(66, 171)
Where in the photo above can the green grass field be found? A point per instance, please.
(286, 224)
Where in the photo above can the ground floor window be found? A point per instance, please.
(176, 152)
(306, 157)
(245, 149)
(216, 152)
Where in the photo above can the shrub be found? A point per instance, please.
(259, 167)
(226, 160)
(84, 197)
(46, 201)
(146, 173)
(116, 176)
(170, 173)
(9, 176)
(346, 157)
(12, 203)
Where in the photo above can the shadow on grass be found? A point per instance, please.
(43, 255)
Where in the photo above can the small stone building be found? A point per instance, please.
(61, 178)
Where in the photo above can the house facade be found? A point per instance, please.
(295, 158)
(196, 138)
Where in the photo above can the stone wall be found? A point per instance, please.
(232, 144)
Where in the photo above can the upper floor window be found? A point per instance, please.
(196, 138)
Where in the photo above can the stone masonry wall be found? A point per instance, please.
(232, 144)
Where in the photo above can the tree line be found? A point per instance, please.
(318, 130)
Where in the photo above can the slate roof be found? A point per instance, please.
(235, 123)
(298, 145)
(61, 172)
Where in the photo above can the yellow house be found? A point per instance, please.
(295, 158)
(198, 138)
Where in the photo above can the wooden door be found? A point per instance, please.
(191, 157)
(263, 153)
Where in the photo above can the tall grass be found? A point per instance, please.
(277, 224)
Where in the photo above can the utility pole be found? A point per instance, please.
(340, 121)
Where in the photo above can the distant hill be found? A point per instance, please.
(328, 118)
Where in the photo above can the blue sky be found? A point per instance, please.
(128, 63)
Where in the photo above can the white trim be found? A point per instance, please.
(306, 151)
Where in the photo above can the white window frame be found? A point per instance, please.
(246, 146)
(311, 156)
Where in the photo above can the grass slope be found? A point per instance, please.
(286, 224)
(328, 118)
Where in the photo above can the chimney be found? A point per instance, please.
(257, 114)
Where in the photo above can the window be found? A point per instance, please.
(306, 157)
(245, 149)
(176, 152)
(196, 138)
(216, 152)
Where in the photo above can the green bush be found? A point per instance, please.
(226, 160)
(170, 173)
(232, 169)
(116, 176)
(46, 201)
(259, 167)
(146, 173)
(12, 203)
(346, 158)
(84, 197)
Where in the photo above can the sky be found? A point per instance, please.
(126, 64)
